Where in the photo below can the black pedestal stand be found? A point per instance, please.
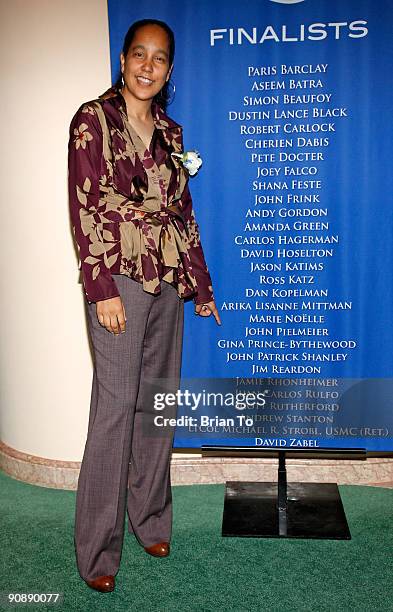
(296, 510)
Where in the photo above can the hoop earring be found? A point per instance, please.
(171, 91)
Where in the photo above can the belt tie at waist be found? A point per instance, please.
(149, 238)
(169, 237)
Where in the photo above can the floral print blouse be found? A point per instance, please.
(131, 208)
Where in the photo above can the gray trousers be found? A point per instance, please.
(122, 466)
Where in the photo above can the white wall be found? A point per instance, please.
(54, 56)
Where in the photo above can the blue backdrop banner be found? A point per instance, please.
(289, 103)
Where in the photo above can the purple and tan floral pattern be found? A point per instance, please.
(131, 208)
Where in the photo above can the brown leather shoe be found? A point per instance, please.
(105, 584)
(158, 550)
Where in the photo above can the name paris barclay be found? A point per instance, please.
(300, 33)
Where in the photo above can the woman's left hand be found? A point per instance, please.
(205, 310)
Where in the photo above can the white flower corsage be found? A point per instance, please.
(191, 160)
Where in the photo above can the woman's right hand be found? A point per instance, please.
(112, 315)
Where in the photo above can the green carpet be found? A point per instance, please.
(204, 572)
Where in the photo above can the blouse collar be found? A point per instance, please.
(161, 119)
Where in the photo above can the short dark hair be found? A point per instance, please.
(162, 98)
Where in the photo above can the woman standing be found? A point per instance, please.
(140, 256)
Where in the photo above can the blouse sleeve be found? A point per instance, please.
(200, 269)
(85, 150)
